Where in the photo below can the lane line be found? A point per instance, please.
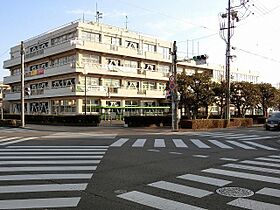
(39, 203)
(49, 162)
(179, 143)
(50, 157)
(244, 146)
(182, 189)
(205, 180)
(253, 205)
(153, 150)
(17, 141)
(119, 142)
(199, 143)
(201, 156)
(156, 202)
(42, 188)
(159, 143)
(243, 175)
(220, 144)
(260, 145)
(44, 177)
(139, 143)
(48, 168)
(261, 163)
(253, 168)
(10, 138)
(270, 192)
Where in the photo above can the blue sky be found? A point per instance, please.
(179, 20)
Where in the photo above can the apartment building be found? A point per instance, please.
(90, 68)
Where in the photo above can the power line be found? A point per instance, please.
(1, 55)
(258, 55)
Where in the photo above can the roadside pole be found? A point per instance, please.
(174, 90)
(22, 85)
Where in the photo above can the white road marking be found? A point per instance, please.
(242, 136)
(156, 202)
(253, 205)
(275, 156)
(2, 137)
(48, 168)
(260, 145)
(42, 188)
(256, 138)
(176, 153)
(50, 157)
(205, 180)
(182, 189)
(199, 143)
(243, 175)
(244, 146)
(253, 168)
(52, 153)
(17, 141)
(44, 177)
(159, 143)
(139, 143)
(10, 138)
(268, 159)
(179, 143)
(119, 142)
(153, 150)
(269, 192)
(57, 147)
(201, 156)
(229, 159)
(220, 144)
(49, 162)
(261, 163)
(55, 150)
(39, 203)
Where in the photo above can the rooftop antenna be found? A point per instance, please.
(83, 17)
(126, 22)
(98, 15)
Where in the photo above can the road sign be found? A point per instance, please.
(172, 86)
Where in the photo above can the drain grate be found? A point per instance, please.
(236, 192)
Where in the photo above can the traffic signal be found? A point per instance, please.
(27, 91)
(200, 59)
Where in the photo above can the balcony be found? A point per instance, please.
(41, 73)
(12, 96)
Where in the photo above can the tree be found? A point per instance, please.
(219, 89)
(277, 100)
(267, 95)
(196, 92)
(244, 96)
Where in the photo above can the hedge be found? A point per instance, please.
(77, 120)
(147, 121)
(10, 123)
(215, 123)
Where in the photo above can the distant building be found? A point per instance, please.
(3, 104)
(95, 68)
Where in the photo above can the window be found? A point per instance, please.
(90, 59)
(111, 82)
(149, 85)
(165, 51)
(63, 61)
(63, 38)
(133, 84)
(131, 103)
(116, 41)
(131, 64)
(90, 36)
(92, 105)
(63, 83)
(131, 44)
(151, 67)
(63, 106)
(113, 62)
(149, 48)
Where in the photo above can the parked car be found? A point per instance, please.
(273, 121)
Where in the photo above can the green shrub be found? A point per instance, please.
(10, 123)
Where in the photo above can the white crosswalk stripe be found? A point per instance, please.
(242, 171)
(73, 166)
(187, 143)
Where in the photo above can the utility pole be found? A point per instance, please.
(174, 89)
(227, 22)
(22, 53)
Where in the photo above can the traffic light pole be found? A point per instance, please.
(175, 91)
(22, 85)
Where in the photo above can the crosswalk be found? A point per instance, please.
(189, 143)
(234, 136)
(63, 170)
(209, 180)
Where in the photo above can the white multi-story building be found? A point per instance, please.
(97, 66)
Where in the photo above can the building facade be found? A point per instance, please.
(91, 68)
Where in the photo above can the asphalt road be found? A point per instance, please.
(140, 170)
